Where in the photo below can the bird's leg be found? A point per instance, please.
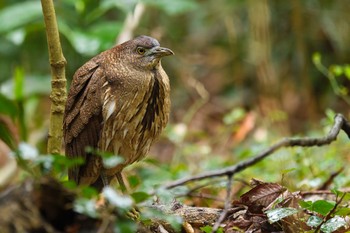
(104, 178)
(121, 182)
(133, 214)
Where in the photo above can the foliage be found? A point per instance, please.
(225, 108)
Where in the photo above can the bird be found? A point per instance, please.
(119, 103)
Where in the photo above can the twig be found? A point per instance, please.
(330, 179)
(227, 204)
(330, 213)
(203, 196)
(131, 22)
(339, 123)
(58, 82)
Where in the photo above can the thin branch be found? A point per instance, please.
(339, 123)
(58, 82)
(227, 204)
(131, 22)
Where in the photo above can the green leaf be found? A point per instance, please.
(8, 107)
(18, 83)
(206, 229)
(121, 201)
(333, 224)
(19, 14)
(82, 42)
(343, 211)
(57, 163)
(345, 196)
(314, 221)
(330, 115)
(322, 207)
(34, 84)
(209, 229)
(165, 195)
(305, 204)
(6, 136)
(88, 192)
(86, 206)
(69, 184)
(277, 214)
(174, 7)
(173, 220)
(112, 161)
(140, 196)
(125, 226)
(234, 116)
(133, 181)
(106, 32)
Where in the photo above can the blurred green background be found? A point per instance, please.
(242, 75)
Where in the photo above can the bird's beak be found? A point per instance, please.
(159, 52)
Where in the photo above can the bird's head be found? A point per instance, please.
(146, 52)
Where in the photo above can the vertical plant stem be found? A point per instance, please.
(58, 83)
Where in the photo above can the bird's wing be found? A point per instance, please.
(83, 120)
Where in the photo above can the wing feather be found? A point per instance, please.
(83, 120)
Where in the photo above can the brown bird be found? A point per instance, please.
(119, 103)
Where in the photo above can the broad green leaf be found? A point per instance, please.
(345, 196)
(125, 226)
(82, 42)
(333, 224)
(69, 184)
(37, 84)
(322, 207)
(106, 32)
(133, 181)
(121, 201)
(57, 163)
(140, 196)
(112, 161)
(19, 14)
(206, 229)
(88, 192)
(8, 107)
(305, 204)
(342, 211)
(174, 7)
(277, 214)
(209, 229)
(314, 221)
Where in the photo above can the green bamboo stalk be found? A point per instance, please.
(58, 83)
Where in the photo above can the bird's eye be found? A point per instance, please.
(140, 50)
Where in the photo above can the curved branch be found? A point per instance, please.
(340, 123)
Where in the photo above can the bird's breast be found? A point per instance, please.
(134, 119)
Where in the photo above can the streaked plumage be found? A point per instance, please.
(118, 102)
